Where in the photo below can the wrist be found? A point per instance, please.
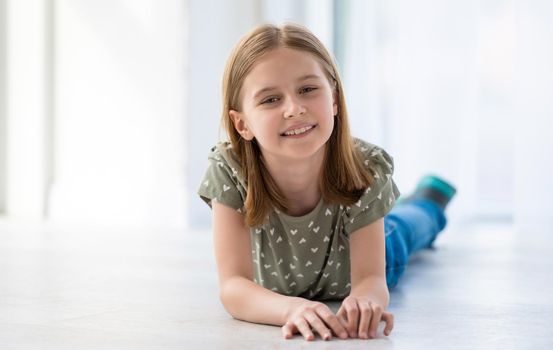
(292, 305)
(374, 290)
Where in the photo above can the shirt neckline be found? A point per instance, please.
(304, 217)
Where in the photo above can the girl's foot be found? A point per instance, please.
(432, 188)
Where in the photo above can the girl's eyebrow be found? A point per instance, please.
(309, 76)
(269, 88)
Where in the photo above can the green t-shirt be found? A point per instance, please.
(306, 256)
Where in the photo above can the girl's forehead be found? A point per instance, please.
(282, 65)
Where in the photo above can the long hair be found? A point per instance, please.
(343, 176)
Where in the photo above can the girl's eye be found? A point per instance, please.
(269, 100)
(308, 89)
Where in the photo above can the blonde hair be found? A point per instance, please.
(343, 176)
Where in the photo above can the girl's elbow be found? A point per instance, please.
(233, 308)
(229, 300)
(224, 297)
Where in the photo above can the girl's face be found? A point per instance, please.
(288, 105)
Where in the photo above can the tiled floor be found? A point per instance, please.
(483, 287)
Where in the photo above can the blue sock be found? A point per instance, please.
(434, 188)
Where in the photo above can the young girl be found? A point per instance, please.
(298, 204)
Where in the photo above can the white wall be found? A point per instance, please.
(25, 139)
(3, 124)
(95, 112)
(534, 116)
(119, 150)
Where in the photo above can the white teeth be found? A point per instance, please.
(298, 131)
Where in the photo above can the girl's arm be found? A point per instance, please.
(248, 301)
(240, 296)
(363, 309)
(368, 263)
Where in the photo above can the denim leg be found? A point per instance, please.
(409, 227)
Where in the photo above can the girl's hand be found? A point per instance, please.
(361, 316)
(312, 315)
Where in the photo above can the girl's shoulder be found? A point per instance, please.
(223, 180)
(223, 156)
(375, 158)
(377, 199)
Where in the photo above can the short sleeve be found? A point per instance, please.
(379, 198)
(220, 183)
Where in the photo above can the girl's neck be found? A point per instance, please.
(298, 180)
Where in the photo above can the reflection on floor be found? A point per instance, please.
(483, 287)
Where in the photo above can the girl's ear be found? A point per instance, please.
(240, 124)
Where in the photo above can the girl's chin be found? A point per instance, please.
(305, 152)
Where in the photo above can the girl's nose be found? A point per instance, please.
(294, 108)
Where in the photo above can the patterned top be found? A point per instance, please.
(306, 256)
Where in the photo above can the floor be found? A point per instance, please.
(483, 287)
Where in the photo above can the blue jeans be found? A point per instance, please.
(409, 227)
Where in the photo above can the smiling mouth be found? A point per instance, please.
(298, 131)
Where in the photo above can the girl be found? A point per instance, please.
(298, 204)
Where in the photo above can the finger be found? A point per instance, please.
(375, 320)
(318, 325)
(342, 318)
(365, 315)
(389, 319)
(288, 330)
(352, 314)
(304, 329)
(332, 322)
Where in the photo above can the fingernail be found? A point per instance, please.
(326, 336)
(363, 335)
